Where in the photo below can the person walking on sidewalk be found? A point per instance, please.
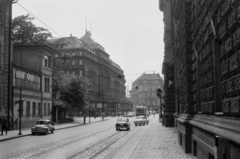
(4, 125)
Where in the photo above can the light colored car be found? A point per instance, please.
(131, 114)
(43, 126)
(122, 122)
(141, 120)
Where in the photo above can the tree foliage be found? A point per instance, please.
(74, 91)
(25, 32)
(57, 75)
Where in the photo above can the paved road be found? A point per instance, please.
(99, 140)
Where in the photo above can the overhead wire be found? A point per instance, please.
(39, 19)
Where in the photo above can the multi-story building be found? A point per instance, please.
(5, 60)
(144, 92)
(202, 61)
(85, 57)
(32, 82)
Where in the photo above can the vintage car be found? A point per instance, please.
(43, 126)
(122, 123)
(130, 114)
(141, 120)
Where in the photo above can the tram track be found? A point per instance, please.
(97, 149)
(47, 147)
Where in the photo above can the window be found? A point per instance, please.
(39, 109)
(46, 84)
(80, 73)
(47, 61)
(73, 62)
(80, 53)
(67, 72)
(73, 53)
(45, 109)
(49, 112)
(34, 109)
(73, 73)
(80, 62)
(28, 109)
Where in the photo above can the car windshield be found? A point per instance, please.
(140, 117)
(41, 122)
(122, 119)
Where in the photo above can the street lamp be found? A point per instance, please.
(20, 112)
(159, 94)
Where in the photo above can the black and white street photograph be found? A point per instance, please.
(120, 79)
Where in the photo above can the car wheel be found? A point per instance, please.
(46, 132)
(116, 128)
(52, 131)
(33, 133)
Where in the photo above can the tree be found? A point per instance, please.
(25, 32)
(74, 92)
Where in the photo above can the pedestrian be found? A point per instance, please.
(4, 125)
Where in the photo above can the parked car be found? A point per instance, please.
(141, 120)
(122, 123)
(43, 126)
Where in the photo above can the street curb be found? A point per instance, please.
(10, 138)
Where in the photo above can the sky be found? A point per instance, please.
(131, 31)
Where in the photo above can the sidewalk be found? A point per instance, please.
(27, 131)
(153, 142)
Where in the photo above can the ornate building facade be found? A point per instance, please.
(86, 57)
(202, 60)
(144, 92)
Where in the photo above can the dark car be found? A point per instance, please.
(43, 126)
(122, 123)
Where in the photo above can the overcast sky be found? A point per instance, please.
(131, 31)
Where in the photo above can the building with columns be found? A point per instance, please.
(201, 66)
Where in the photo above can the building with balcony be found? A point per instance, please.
(86, 57)
(202, 61)
(144, 92)
(32, 83)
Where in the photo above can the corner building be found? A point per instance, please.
(202, 58)
(86, 57)
(144, 92)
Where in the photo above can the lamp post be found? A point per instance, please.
(159, 94)
(20, 112)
